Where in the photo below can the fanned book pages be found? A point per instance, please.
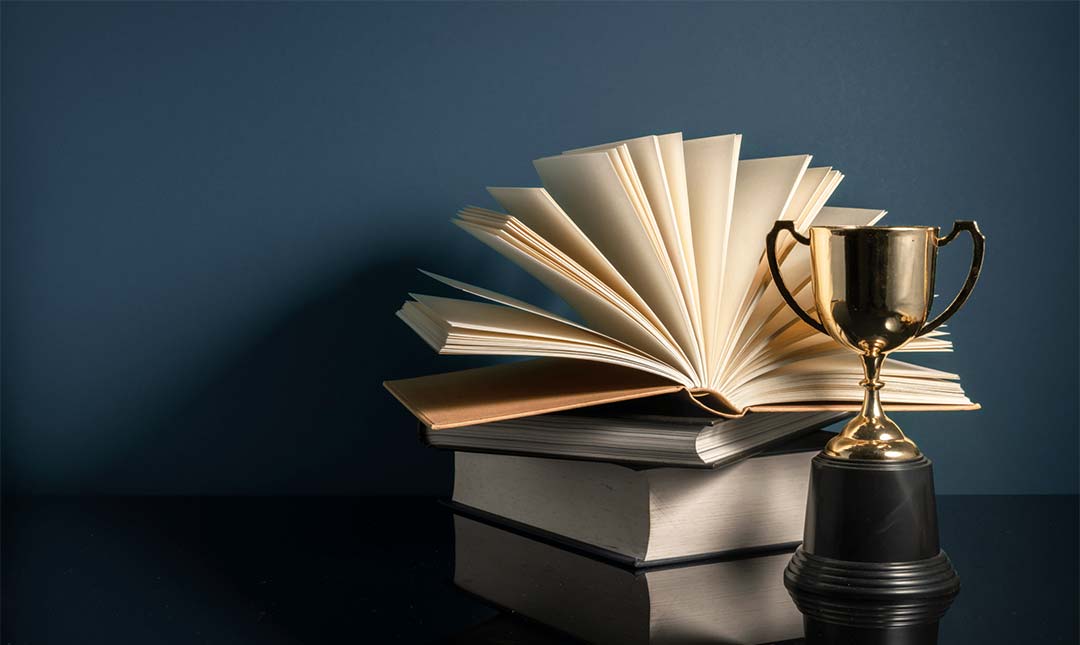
(658, 244)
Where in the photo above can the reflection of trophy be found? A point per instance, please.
(889, 621)
(871, 521)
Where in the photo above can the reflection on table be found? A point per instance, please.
(563, 595)
(381, 570)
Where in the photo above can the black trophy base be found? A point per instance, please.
(870, 558)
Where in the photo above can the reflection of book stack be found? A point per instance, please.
(727, 601)
(648, 513)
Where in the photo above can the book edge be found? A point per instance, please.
(767, 449)
(607, 556)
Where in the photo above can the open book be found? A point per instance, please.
(658, 243)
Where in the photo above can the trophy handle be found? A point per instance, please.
(774, 267)
(978, 250)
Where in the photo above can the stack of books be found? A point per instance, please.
(615, 527)
(640, 489)
(675, 421)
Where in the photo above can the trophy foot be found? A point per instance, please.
(844, 602)
(872, 439)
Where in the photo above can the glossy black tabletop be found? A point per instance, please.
(324, 570)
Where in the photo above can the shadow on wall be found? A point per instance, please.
(302, 410)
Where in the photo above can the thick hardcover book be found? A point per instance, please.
(634, 439)
(644, 517)
(730, 600)
(657, 243)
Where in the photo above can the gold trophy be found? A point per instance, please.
(873, 287)
(871, 536)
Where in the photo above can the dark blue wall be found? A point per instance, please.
(211, 211)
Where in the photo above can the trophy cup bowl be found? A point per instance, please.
(871, 534)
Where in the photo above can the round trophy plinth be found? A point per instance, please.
(870, 558)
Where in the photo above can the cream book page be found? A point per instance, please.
(765, 187)
(591, 191)
(538, 211)
(524, 238)
(798, 342)
(813, 183)
(817, 202)
(601, 313)
(835, 378)
(467, 327)
(711, 165)
(514, 303)
(652, 181)
(671, 151)
(815, 187)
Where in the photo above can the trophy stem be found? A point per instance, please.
(871, 435)
(871, 407)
